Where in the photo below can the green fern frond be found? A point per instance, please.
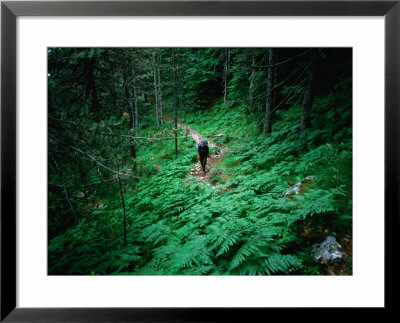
(276, 263)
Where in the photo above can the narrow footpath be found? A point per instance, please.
(213, 161)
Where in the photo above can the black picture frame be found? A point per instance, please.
(10, 10)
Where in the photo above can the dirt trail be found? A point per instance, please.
(213, 161)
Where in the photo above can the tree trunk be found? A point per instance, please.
(155, 89)
(123, 205)
(251, 87)
(275, 91)
(135, 112)
(268, 104)
(227, 59)
(131, 124)
(127, 97)
(159, 91)
(175, 104)
(305, 120)
(94, 106)
(114, 92)
(180, 88)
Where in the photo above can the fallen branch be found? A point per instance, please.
(151, 138)
(102, 165)
(60, 187)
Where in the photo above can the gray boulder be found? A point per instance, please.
(296, 189)
(328, 252)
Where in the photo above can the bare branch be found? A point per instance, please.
(102, 165)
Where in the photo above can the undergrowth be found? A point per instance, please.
(241, 225)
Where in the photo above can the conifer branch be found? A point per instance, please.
(102, 165)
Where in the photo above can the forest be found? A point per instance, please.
(127, 194)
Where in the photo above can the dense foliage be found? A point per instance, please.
(121, 201)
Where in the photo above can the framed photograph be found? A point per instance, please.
(178, 160)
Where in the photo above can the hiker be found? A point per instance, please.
(202, 153)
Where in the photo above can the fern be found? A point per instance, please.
(276, 263)
(179, 226)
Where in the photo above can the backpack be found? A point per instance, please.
(202, 146)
